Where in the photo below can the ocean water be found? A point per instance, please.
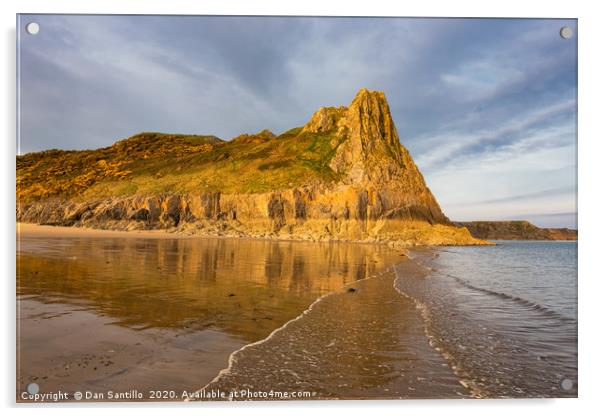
(504, 317)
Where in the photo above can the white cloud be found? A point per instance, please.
(452, 143)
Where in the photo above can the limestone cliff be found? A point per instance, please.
(342, 176)
(516, 230)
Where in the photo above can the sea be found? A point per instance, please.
(504, 317)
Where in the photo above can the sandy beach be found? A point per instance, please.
(98, 314)
(38, 230)
(70, 349)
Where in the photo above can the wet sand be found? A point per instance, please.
(99, 314)
(364, 341)
(70, 349)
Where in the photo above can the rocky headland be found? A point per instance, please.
(516, 230)
(342, 176)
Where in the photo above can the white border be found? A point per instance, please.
(590, 72)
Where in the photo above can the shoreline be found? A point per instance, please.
(464, 331)
(58, 231)
(454, 388)
(421, 265)
(232, 356)
(42, 230)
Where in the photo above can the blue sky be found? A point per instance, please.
(487, 107)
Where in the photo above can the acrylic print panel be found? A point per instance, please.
(192, 192)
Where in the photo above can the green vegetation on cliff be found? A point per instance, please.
(150, 163)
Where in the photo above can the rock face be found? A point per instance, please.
(371, 156)
(516, 230)
(378, 194)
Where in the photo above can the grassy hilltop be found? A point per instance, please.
(151, 163)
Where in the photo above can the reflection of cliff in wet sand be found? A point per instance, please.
(256, 278)
(342, 176)
(120, 312)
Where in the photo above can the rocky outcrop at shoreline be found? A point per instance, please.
(291, 214)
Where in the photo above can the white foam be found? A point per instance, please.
(424, 313)
(232, 357)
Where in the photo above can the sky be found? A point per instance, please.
(486, 107)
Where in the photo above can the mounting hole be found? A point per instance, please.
(566, 384)
(32, 28)
(33, 388)
(566, 32)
